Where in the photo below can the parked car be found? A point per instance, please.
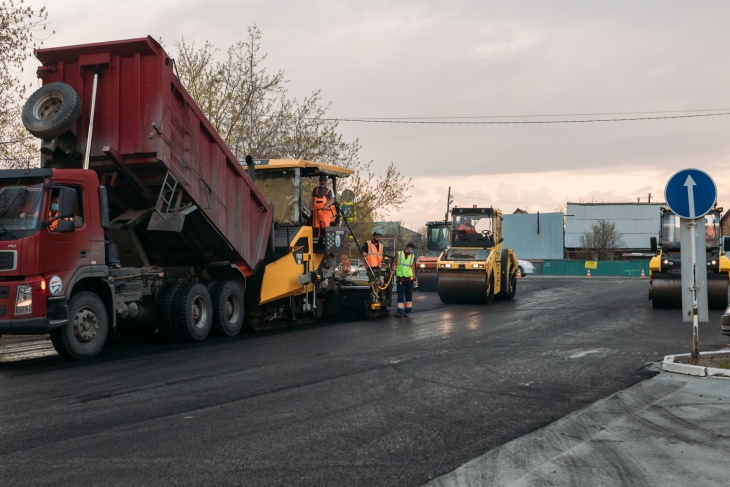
(356, 266)
(525, 267)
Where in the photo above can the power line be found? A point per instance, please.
(596, 114)
(432, 122)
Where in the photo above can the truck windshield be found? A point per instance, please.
(20, 206)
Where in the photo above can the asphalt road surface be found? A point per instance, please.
(386, 402)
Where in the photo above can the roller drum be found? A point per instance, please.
(717, 287)
(427, 281)
(462, 287)
(667, 293)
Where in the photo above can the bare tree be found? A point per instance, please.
(603, 241)
(249, 107)
(22, 29)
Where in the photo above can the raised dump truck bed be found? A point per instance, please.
(171, 179)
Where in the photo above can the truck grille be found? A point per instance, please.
(8, 260)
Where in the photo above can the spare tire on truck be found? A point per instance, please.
(51, 110)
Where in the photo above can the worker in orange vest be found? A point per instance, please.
(323, 199)
(345, 264)
(373, 251)
(466, 225)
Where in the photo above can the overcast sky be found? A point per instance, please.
(476, 58)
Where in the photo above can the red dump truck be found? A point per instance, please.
(140, 218)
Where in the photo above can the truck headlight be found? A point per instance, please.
(422, 266)
(24, 300)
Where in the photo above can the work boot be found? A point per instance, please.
(406, 315)
(398, 315)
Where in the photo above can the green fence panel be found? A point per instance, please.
(604, 268)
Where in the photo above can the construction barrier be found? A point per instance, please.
(634, 268)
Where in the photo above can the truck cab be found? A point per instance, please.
(45, 252)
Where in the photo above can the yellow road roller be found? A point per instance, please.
(665, 268)
(476, 266)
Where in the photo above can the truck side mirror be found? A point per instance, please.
(67, 199)
(726, 244)
(66, 226)
(652, 240)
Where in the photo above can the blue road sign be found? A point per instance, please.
(690, 193)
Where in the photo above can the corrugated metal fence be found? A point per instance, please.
(603, 268)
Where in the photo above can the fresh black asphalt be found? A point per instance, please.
(384, 402)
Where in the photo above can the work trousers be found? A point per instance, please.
(321, 218)
(404, 287)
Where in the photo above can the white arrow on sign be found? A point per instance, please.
(690, 183)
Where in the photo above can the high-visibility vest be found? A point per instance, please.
(374, 255)
(404, 267)
(320, 197)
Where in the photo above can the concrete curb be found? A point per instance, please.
(669, 365)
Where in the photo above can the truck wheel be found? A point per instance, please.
(85, 334)
(192, 312)
(227, 308)
(51, 110)
(163, 310)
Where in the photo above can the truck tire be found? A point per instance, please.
(51, 110)
(163, 310)
(192, 312)
(227, 301)
(84, 335)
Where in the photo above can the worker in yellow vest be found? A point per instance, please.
(404, 266)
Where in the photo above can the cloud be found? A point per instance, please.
(480, 58)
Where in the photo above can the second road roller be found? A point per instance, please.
(477, 266)
(665, 268)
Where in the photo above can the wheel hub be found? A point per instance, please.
(199, 314)
(86, 325)
(47, 106)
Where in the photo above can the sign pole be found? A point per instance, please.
(694, 358)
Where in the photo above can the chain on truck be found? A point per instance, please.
(140, 219)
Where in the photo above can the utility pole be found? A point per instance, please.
(449, 200)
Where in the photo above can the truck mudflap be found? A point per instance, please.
(665, 291)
